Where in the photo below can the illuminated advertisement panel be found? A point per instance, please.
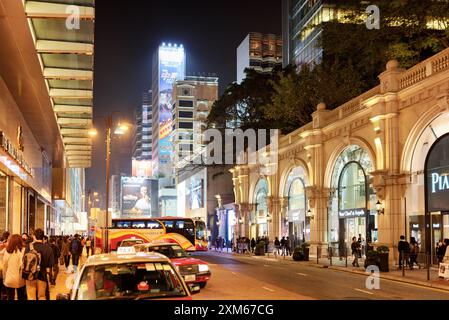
(139, 198)
(171, 68)
(142, 168)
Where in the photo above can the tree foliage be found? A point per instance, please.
(352, 59)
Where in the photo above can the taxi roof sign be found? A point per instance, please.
(126, 250)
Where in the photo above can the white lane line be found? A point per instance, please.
(234, 273)
(268, 289)
(301, 274)
(367, 292)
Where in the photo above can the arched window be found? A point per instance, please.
(352, 187)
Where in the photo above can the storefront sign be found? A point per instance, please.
(351, 213)
(14, 153)
(415, 226)
(437, 176)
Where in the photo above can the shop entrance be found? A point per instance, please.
(349, 228)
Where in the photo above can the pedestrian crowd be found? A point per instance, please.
(29, 265)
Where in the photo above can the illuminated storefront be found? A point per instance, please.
(297, 223)
(259, 219)
(352, 202)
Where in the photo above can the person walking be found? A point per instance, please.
(65, 252)
(12, 267)
(414, 250)
(441, 250)
(355, 248)
(404, 251)
(56, 254)
(287, 247)
(253, 245)
(277, 246)
(3, 245)
(76, 250)
(36, 279)
(88, 246)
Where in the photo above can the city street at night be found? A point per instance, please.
(287, 153)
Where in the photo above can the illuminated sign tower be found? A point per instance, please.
(168, 66)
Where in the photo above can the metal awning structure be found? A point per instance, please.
(66, 54)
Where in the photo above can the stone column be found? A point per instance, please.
(318, 203)
(274, 208)
(284, 216)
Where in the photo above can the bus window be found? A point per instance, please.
(123, 224)
(169, 224)
(185, 225)
(138, 225)
(153, 225)
(200, 230)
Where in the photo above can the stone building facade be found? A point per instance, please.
(360, 169)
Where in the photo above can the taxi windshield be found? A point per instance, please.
(143, 280)
(171, 252)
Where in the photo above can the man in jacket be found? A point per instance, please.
(36, 289)
(404, 251)
(76, 249)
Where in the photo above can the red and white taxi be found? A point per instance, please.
(194, 271)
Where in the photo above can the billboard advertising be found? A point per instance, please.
(195, 194)
(142, 168)
(139, 198)
(171, 68)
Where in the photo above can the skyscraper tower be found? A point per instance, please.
(168, 66)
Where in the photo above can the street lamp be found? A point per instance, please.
(379, 207)
(121, 129)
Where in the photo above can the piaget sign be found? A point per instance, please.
(437, 176)
(440, 182)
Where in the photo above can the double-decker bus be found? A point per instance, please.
(190, 234)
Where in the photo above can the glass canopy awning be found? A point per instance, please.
(66, 54)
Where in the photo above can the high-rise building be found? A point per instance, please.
(168, 66)
(261, 52)
(143, 136)
(193, 98)
(301, 29)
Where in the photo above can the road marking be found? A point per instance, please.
(266, 265)
(363, 291)
(268, 289)
(301, 274)
(234, 273)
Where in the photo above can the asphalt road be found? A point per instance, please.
(242, 277)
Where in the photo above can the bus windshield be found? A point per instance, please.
(200, 230)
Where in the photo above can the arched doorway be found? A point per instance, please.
(425, 227)
(352, 200)
(259, 223)
(298, 224)
(437, 193)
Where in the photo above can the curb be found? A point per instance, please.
(359, 272)
(386, 277)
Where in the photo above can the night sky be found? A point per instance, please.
(127, 34)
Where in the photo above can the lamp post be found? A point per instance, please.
(121, 129)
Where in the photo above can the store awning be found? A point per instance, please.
(66, 55)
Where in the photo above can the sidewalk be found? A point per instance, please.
(415, 276)
(64, 279)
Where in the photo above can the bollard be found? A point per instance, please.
(403, 264)
(318, 249)
(428, 266)
(330, 256)
(346, 254)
